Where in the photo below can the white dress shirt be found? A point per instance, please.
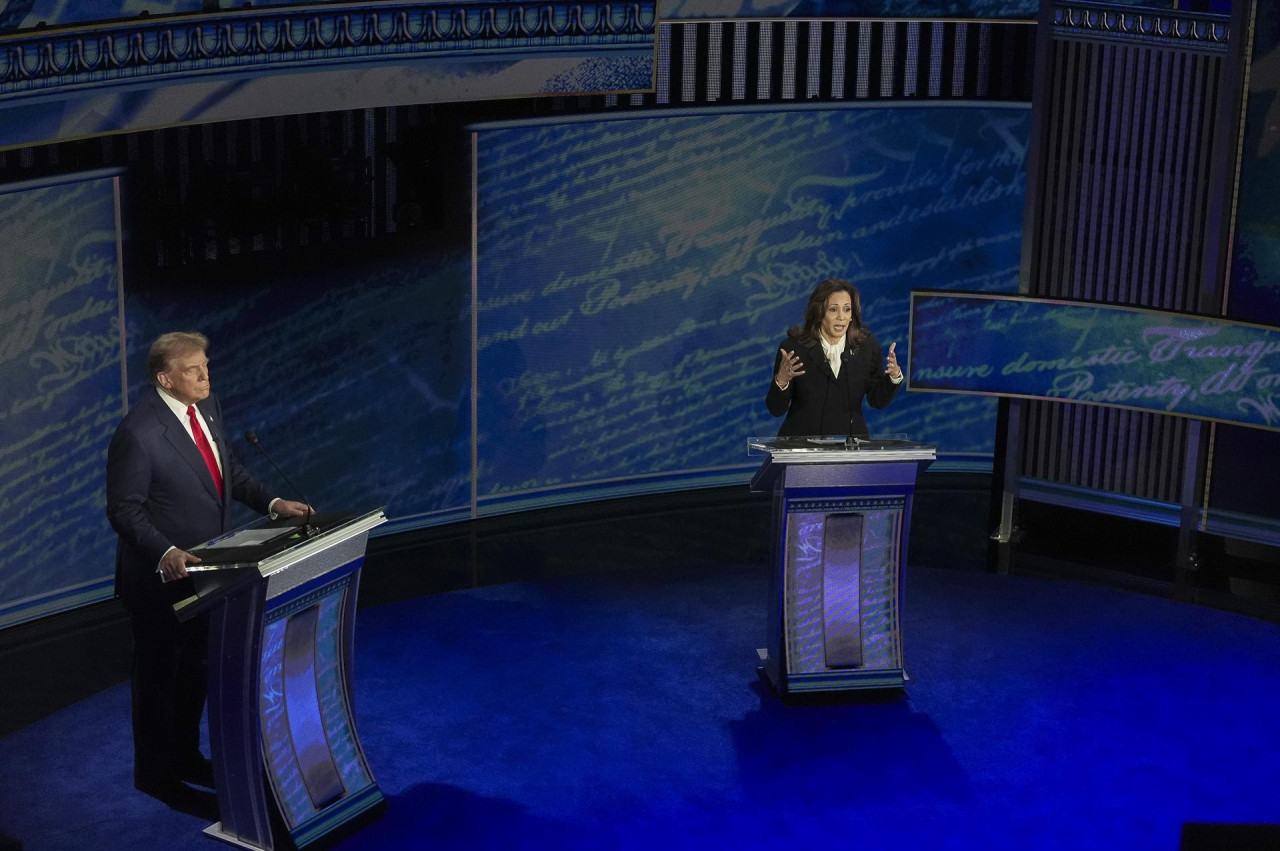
(180, 411)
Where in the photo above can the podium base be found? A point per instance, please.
(215, 831)
(371, 808)
(886, 683)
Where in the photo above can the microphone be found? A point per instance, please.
(307, 529)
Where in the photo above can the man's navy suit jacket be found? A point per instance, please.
(160, 494)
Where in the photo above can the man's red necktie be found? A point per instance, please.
(202, 443)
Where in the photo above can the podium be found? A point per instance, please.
(841, 515)
(288, 765)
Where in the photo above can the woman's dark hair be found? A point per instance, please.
(807, 333)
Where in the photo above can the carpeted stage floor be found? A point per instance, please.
(609, 700)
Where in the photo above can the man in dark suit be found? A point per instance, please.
(171, 476)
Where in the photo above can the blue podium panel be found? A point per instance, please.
(314, 764)
(282, 639)
(841, 590)
(840, 539)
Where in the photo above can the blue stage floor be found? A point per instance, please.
(622, 710)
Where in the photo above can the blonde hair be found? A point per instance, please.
(170, 346)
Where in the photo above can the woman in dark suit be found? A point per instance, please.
(828, 365)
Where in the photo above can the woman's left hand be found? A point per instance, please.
(891, 363)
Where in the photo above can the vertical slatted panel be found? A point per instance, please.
(1121, 218)
(1166, 126)
(787, 82)
(1179, 279)
(1105, 267)
(715, 61)
(839, 52)
(662, 91)
(911, 59)
(1206, 90)
(938, 58)
(1108, 458)
(818, 73)
(764, 62)
(771, 61)
(1092, 95)
(862, 65)
(689, 63)
(888, 59)
(983, 72)
(960, 46)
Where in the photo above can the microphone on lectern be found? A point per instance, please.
(307, 529)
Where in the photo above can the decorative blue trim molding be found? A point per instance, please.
(1108, 21)
(60, 600)
(1244, 527)
(1231, 524)
(426, 520)
(651, 483)
(257, 39)
(1101, 502)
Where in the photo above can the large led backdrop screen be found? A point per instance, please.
(634, 277)
(631, 278)
(61, 377)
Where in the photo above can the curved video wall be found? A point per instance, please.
(635, 276)
(60, 390)
(611, 332)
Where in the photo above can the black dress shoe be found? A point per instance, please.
(181, 797)
(198, 771)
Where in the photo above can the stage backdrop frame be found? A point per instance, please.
(62, 379)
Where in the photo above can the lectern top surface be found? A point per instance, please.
(267, 538)
(828, 449)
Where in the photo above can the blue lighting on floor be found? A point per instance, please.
(623, 711)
